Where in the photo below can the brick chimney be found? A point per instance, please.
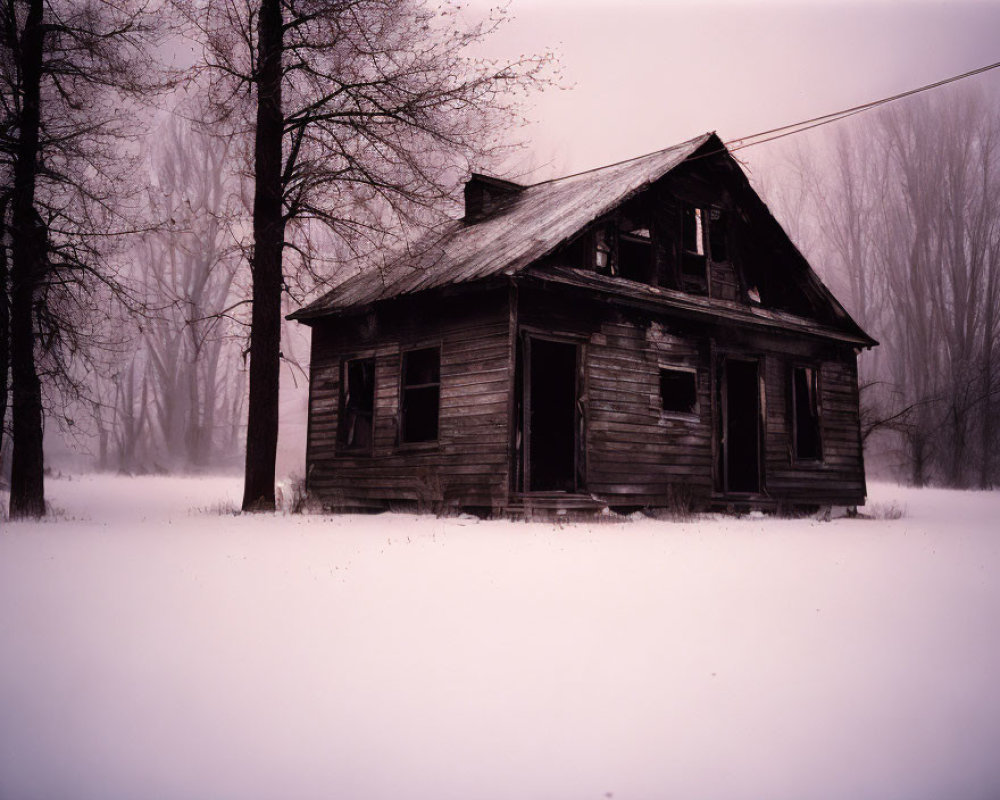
(484, 194)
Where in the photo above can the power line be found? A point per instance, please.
(826, 119)
(732, 145)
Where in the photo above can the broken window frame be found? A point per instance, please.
(603, 251)
(355, 406)
(694, 248)
(813, 374)
(640, 240)
(717, 237)
(691, 412)
(407, 391)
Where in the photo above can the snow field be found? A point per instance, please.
(153, 646)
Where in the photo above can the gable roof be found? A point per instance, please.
(536, 220)
(532, 224)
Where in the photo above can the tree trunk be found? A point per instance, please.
(266, 268)
(4, 326)
(989, 326)
(986, 458)
(27, 488)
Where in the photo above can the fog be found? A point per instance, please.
(644, 75)
(161, 642)
(636, 77)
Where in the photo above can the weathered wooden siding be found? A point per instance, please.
(468, 463)
(723, 284)
(635, 449)
(635, 453)
(839, 477)
(638, 454)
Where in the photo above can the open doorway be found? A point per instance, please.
(740, 439)
(548, 416)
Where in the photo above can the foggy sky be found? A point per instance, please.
(645, 75)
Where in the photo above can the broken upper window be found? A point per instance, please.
(679, 390)
(603, 253)
(704, 238)
(718, 235)
(694, 254)
(635, 255)
(805, 414)
(420, 395)
(357, 404)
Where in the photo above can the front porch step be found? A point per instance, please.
(533, 505)
(742, 503)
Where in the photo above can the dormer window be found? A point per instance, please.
(635, 255)
(694, 230)
(704, 239)
(694, 252)
(718, 235)
(602, 252)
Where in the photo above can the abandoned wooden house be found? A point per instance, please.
(643, 334)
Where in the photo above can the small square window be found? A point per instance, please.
(420, 396)
(679, 391)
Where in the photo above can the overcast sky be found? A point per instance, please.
(646, 74)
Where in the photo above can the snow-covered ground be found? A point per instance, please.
(154, 646)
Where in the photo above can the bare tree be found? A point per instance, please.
(8, 118)
(4, 332)
(364, 116)
(909, 214)
(71, 69)
(188, 272)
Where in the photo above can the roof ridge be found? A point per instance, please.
(530, 227)
(704, 136)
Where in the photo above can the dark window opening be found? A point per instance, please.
(718, 239)
(576, 254)
(679, 391)
(694, 230)
(805, 414)
(694, 258)
(420, 395)
(635, 256)
(357, 404)
(603, 253)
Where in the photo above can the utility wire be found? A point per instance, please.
(826, 119)
(781, 132)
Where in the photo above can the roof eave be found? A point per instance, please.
(321, 306)
(652, 297)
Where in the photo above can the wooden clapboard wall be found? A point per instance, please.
(837, 478)
(638, 454)
(635, 453)
(468, 464)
